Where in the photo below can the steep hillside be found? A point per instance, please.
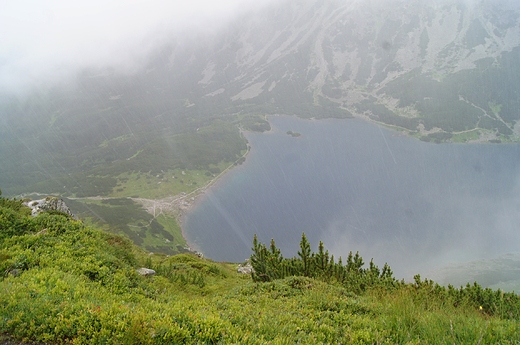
(404, 63)
(445, 68)
(63, 282)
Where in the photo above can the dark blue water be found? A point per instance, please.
(360, 187)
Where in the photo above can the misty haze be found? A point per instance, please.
(259, 172)
(198, 127)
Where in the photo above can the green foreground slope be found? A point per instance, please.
(64, 282)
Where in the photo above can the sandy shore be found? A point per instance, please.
(180, 205)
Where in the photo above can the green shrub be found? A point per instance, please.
(78, 285)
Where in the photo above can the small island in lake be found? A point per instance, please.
(293, 134)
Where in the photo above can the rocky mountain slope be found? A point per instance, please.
(439, 66)
(442, 71)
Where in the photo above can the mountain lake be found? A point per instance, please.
(360, 187)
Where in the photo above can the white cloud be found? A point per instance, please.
(43, 40)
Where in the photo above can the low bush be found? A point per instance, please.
(62, 282)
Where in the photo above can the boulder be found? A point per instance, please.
(245, 268)
(146, 271)
(15, 272)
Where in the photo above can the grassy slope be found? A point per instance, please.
(181, 157)
(156, 232)
(64, 282)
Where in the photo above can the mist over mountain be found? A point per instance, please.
(402, 63)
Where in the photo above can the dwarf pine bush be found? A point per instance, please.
(269, 264)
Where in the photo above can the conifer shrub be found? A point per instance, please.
(269, 265)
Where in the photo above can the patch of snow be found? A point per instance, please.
(250, 92)
(216, 92)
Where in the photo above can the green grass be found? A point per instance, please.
(169, 183)
(467, 136)
(118, 214)
(171, 225)
(495, 108)
(154, 239)
(123, 216)
(64, 282)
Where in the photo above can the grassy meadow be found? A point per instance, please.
(63, 282)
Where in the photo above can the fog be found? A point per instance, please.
(442, 71)
(48, 41)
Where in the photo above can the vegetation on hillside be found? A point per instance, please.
(123, 216)
(64, 282)
(89, 145)
(479, 100)
(269, 264)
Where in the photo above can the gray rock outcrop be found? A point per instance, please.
(49, 204)
(245, 268)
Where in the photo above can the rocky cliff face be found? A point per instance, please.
(49, 204)
(359, 43)
(360, 56)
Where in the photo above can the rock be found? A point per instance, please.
(245, 268)
(15, 272)
(43, 232)
(49, 204)
(146, 272)
(199, 254)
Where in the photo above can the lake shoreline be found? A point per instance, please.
(357, 186)
(196, 197)
(202, 193)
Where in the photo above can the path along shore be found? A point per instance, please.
(181, 204)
